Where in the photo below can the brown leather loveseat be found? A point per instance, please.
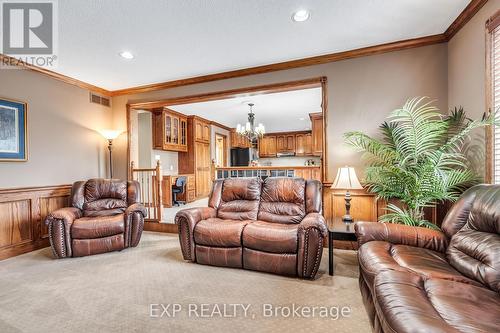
(420, 280)
(105, 216)
(274, 226)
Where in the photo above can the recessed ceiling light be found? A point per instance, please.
(126, 55)
(301, 15)
(302, 118)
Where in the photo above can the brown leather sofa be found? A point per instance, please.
(105, 216)
(273, 226)
(420, 280)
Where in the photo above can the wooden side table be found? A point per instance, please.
(338, 230)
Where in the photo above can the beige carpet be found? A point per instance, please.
(113, 292)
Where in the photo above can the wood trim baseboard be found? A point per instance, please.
(161, 227)
(472, 8)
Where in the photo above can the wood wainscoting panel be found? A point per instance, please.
(48, 205)
(16, 224)
(22, 215)
(363, 208)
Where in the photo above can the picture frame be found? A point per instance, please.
(13, 131)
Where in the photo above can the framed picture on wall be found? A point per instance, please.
(13, 130)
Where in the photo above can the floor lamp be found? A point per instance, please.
(347, 180)
(110, 135)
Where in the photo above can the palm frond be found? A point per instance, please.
(420, 159)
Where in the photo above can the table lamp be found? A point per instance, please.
(110, 135)
(346, 180)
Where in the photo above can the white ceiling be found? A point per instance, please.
(279, 112)
(175, 39)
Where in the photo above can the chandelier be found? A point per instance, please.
(249, 130)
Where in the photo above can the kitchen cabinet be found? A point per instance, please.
(202, 130)
(285, 143)
(239, 141)
(317, 133)
(196, 160)
(267, 146)
(169, 130)
(303, 144)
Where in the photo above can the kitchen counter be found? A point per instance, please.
(271, 167)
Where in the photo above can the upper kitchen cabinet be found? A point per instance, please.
(303, 144)
(285, 143)
(239, 141)
(201, 130)
(169, 130)
(317, 133)
(267, 146)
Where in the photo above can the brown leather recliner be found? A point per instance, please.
(274, 226)
(105, 216)
(420, 280)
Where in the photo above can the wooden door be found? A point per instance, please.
(198, 131)
(317, 134)
(202, 155)
(300, 143)
(168, 128)
(280, 144)
(206, 132)
(290, 143)
(271, 146)
(308, 144)
(183, 134)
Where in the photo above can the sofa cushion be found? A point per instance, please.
(219, 232)
(97, 227)
(378, 256)
(474, 249)
(105, 189)
(271, 237)
(407, 302)
(239, 199)
(276, 263)
(282, 200)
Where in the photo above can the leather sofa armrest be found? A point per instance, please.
(314, 220)
(134, 224)
(311, 233)
(136, 208)
(401, 234)
(59, 223)
(186, 220)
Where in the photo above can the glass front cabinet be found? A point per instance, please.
(169, 130)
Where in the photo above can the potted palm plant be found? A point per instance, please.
(419, 159)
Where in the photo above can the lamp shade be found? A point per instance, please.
(110, 134)
(346, 179)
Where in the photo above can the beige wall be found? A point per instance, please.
(63, 143)
(467, 69)
(361, 92)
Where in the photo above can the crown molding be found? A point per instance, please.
(464, 17)
(4, 59)
(317, 60)
(472, 8)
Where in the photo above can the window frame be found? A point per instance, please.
(491, 24)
